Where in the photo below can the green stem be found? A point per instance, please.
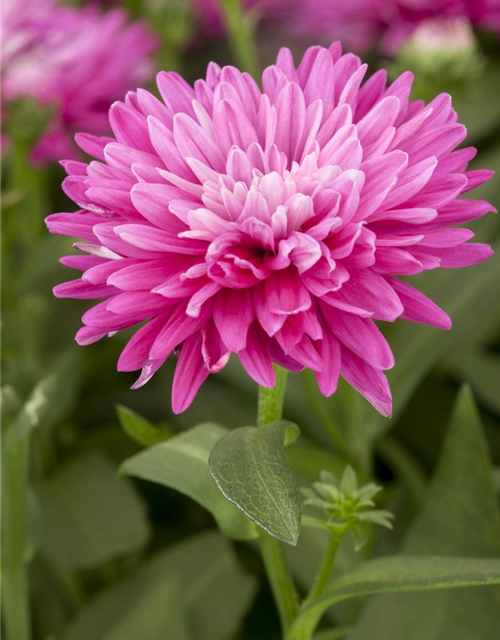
(240, 30)
(270, 409)
(15, 594)
(326, 566)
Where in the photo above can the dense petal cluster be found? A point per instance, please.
(269, 223)
(78, 61)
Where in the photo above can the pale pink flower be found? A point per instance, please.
(399, 18)
(271, 224)
(77, 61)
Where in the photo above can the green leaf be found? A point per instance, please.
(10, 403)
(482, 372)
(181, 463)
(332, 634)
(162, 609)
(459, 517)
(50, 399)
(139, 429)
(91, 515)
(398, 574)
(215, 594)
(251, 469)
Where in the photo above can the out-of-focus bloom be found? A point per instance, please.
(272, 224)
(356, 23)
(361, 24)
(77, 61)
(400, 18)
(441, 50)
(443, 34)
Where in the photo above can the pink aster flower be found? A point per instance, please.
(272, 224)
(78, 61)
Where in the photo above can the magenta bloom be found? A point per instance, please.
(76, 60)
(272, 224)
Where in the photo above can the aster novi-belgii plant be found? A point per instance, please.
(274, 224)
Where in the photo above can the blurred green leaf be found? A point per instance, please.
(398, 574)
(332, 634)
(160, 611)
(139, 429)
(10, 403)
(459, 517)
(477, 106)
(91, 515)
(250, 467)
(482, 372)
(308, 460)
(20, 534)
(215, 594)
(181, 463)
(51, 398)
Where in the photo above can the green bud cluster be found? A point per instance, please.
(347, 506)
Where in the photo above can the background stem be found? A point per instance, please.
(15, 594)
(270, 409)
(240, 31)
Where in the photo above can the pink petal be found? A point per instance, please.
(135, 355)
(329, 350)
(190, 374)
(371, 383)
(361, 336)
(256, 358)
(285, 293)
(233, 315)
(418, 307)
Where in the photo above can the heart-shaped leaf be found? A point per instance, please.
(251, 469)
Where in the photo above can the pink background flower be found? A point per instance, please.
(273, 224)
(76, 60)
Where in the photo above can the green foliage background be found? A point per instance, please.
(117, 557)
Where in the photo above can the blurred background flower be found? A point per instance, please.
(75, 61)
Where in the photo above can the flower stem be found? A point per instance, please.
(326, 566)
(270, 406)
(270, 409)
(240, 28)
